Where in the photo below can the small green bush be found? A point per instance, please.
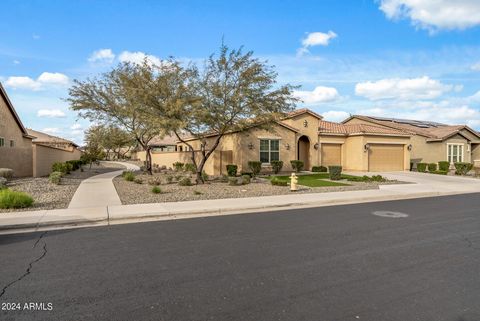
(335, 172)
(156, 190)
(276, 166)
(232, 181)
(178, 166)
(195, 192)
(169, 179)
(440, 172)
(129, 176)
(224, 178)
(232, 170)
(422, 167)
(186, 181)
(320, 169)
(138, 180)
(178, 177)
(463, 168)
(432, 167)
(255, 167)
(297, 165)
(55, 177)
(6, 173)
(76, 164)
(443, 166)
(189, 167)
(59, 167)
(155, 181)
(246, 179)
(277, 182)
(378, 178)
(14, 199)
(3, 183)
(246, 173)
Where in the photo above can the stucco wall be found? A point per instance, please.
(45, 156)
(18, 158)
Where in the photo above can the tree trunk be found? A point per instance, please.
(148, 163)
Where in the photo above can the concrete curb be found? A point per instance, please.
(120, 214)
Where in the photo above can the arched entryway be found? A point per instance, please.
(303, 151)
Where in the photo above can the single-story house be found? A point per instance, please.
(305, 136)
(431, 141)
(29, 152)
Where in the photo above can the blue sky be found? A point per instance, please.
(402, 58)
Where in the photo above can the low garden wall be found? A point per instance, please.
(44, 157)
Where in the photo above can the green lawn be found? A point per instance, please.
(314, 180)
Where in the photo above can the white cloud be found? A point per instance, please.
(435, 14)
(76, 132)
(315, 39)
(138, 57)
(335, 115)
(403, 89)
(35, 36)
(51, 130)
(320, 94)
(102, 55)
(76, 126)
(16, 62)
(51, 113)
(45, 79)
(476, 67)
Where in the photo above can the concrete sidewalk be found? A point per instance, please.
(98, 190)
(421, 186)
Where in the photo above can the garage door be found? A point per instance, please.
(385, 158)
(331, 154)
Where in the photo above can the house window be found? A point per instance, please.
(12, 143)
(2, 142)
(455, 153)
(269, 150)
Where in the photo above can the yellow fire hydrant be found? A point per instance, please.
(293, 182)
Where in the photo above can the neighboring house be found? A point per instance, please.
(15, 142)
(302, 135)
(28, 152)
(431, 142)
(49, 149)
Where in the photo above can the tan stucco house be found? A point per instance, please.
(302, 135)
(431, 141)
(29, 152)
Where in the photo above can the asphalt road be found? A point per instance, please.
(328, 263)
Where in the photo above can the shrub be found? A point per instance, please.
(276, 181)
(14, 199)
(246, 173)
(255, 167)
(422, 167)
(297, 165)
(320, 169)
(232, 170)
(440, 172)
(463, 168)
(76, 164)
(3, 183)
(232, 181)
(205, 176)
(443, 166)
(276, 166)
(178, 177)
(6, 173)
(59, 167)
(195, 192)
(169, 179)
(55, 177)
(138, 180)
(378, 178)
(155, 181)
(224, 178)
(156, 190)
(246, 179)
(189, 167)
(432, 167)
(129, 176)
(178, 166)
(186, 181)
(335, 172)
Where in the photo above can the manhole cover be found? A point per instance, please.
(390, 214)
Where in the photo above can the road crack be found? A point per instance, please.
(30, 265)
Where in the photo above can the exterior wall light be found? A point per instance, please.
(409, 147)
(250, 146)
(287, 146)
(366, 147)
(316, 146)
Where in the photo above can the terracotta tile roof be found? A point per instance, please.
(164, 140)
(428, 129)
(303, 111)
(40, 137)
(326, 127)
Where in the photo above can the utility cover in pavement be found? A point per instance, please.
(390, 214)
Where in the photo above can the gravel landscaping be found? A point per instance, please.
(134, 193)
(50, 196)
